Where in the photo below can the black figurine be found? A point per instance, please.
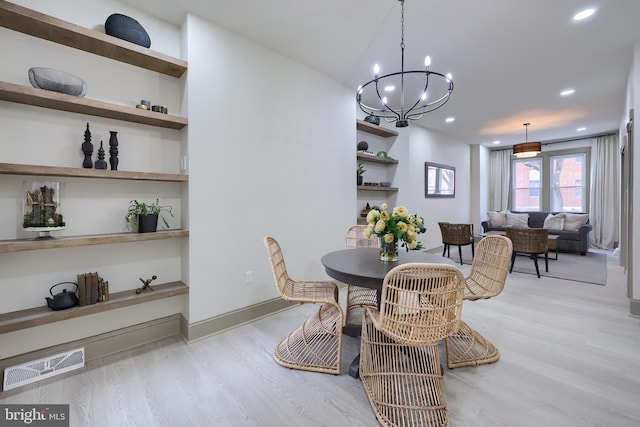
(100, 163)
(147, 284)
(87, 149)
(113, 150)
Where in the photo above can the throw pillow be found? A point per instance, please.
(518, 220)
(498, 219)
(573, 222)
(554, 222)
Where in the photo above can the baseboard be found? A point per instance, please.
(108, 343)
(634, 307)
(205, 328)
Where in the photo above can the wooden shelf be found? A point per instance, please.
(86, 240)
(63, 102)
(15, 169)
(363, 126)
(376, 188)
(31, 317)
(376, 159)
(46, 27)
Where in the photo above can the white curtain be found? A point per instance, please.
(604, 213)
(499, 180)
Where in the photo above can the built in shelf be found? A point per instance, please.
(29, 318)
(376, 159)
(16, 169)
(377, 188)
(19, 245)
(60, 101)
(46, 27)
(363, 126)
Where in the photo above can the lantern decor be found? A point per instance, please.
(41, 209)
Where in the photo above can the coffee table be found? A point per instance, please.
(552, 240)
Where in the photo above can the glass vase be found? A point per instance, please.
(388, 251)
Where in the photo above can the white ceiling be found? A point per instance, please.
(510, 59)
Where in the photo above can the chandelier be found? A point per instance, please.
(526, 149)
(420, 91)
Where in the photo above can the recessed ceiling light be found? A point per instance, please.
(584, 14)
(389, 88)
(567, 92)
(496, 142)
(581, 129)
(450, 119)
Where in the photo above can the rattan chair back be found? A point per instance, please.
(528, 240)
(456, 234)
(355, 238)
(278, 267)
(489, 268)
(421, 303)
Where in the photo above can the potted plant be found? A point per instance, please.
(359, 172)
(145, 215)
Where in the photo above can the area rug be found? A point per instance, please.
(591, 268)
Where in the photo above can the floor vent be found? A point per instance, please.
(36, 370)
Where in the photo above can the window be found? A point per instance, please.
(440, 180)
(567, 183)
(526, 184)
(556, 181)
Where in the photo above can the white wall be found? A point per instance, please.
(271, 152)
(429, 146)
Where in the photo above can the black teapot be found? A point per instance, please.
(62, 300)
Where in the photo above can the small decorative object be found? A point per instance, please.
(62, 300)
(372, 119)
(141, 107)
(382, 154)
(127, 28)
(146, 283)
(146, 103)
(57, 81)
(363, 146)
(41, 210)
(113, 150)
(87, 149)
(399, 226)
(385, 183)
(145, 215)
(365, 211)
(359, 173)
(100, 163)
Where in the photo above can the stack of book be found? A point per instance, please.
(92, 289)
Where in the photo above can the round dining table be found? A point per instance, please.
(362, 267)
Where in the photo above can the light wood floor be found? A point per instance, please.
(570, 357)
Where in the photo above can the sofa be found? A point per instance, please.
(571, 228)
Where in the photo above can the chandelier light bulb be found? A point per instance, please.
(449, 77)
(376, 70)
(424, 96)
(427, 61)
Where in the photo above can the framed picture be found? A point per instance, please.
(439, 180)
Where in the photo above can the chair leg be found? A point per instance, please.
(444, 250)
(535, 261)
(513, 260)
(467, 347)
(546, 261)
(473, 251)
(460, 253)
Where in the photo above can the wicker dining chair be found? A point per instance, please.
(399, 359)
(317, 344)
(357, 297)
(456, 235)
(487, 278)
(529, 241)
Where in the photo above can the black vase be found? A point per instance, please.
(147, 223)
(359, 180)
(113, 150)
